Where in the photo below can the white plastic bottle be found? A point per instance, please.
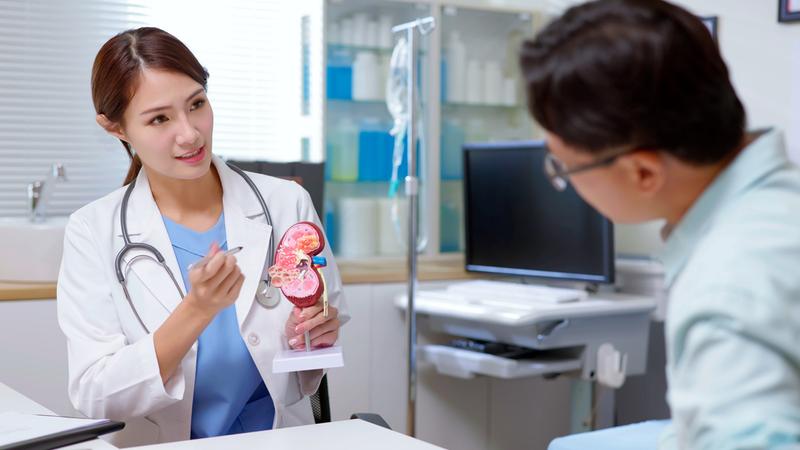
(366, 74)
(492, 83)
(456, 68)
(474, 88)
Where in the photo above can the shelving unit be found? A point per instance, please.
(479, 105)
(358, 147)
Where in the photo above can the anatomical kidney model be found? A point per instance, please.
(296, 269)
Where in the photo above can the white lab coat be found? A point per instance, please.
(113, 371)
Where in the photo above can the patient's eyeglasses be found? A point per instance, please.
(558, 173)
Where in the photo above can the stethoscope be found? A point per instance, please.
(266, 295)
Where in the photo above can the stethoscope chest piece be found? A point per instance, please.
(267, 296)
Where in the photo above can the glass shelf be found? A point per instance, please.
(356, 131)
(356, 48)
(342, 101)
(362, 183)
(484, 106)
(337, 188)
(358, 146)
(371, 104)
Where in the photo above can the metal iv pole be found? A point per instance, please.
(424, 26)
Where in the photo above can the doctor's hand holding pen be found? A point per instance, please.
(215, 281)
(215, 284)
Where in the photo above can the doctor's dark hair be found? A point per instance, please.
(118, 66)
(639, 73)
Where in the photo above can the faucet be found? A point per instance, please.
(39, 192)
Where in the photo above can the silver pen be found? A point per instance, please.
(205, 259)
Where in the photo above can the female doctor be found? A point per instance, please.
(189, 350)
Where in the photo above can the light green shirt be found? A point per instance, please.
(733, 321)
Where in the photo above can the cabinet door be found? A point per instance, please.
(33, 353)
(359, 148)
(349, 386)
(482, 98)
(451, 413)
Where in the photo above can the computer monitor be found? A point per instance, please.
(516, 223)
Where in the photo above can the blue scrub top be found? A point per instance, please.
(229, 394)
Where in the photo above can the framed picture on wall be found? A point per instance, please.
(788, 10)
(711, 23)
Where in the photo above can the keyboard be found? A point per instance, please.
(501, 293)
(501, 302)
(512, 304)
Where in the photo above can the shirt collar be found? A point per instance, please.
(761, 157)
(196, 242)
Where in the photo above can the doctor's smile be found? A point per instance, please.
(193, 157)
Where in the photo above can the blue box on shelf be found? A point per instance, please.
(340, 82)
(329, 148)
(375, 151)
(330, 226)
(375, 148)
(339, 74)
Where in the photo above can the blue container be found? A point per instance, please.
(450, 223)
(328, 155)
(443, 83)
(452, 160)
(375, 146)
(375, 152)
(330, 226)
(340, 86)
(339, 74)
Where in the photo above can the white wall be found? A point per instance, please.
(763, 57)
(762, 54)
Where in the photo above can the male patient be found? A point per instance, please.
(641, 117)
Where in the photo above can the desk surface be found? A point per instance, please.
(11, 400)
(342, 435)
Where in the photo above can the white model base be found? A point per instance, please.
(297, 360)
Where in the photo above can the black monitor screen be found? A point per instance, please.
(518, 224)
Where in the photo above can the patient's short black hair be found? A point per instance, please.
(645, 73)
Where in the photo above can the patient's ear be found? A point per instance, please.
(112, 128)
(646, 170)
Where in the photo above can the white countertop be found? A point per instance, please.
(11, 400)
(342, 435)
